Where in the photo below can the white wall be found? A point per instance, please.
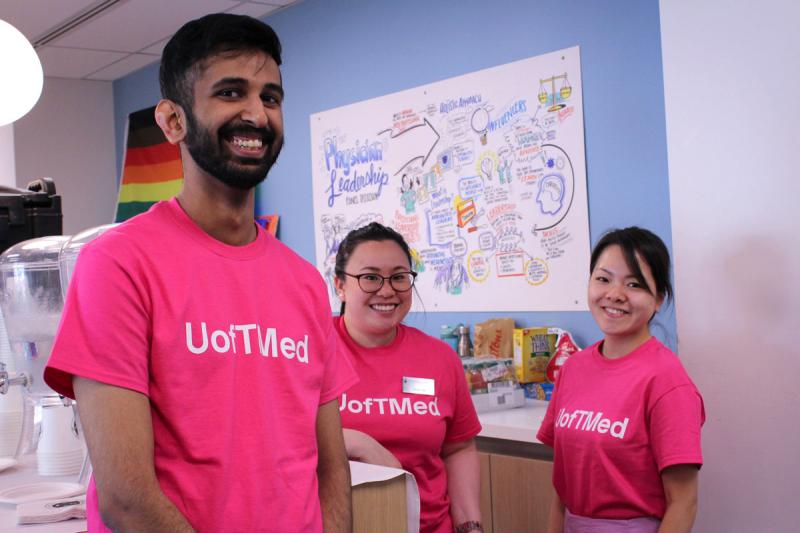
(7, 168)
(731, 82)
(69, 136)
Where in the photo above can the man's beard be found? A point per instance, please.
(212, 156)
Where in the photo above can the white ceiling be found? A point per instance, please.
(111, 38)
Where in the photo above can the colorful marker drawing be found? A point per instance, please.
(484, 175)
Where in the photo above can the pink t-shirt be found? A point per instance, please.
(234, 348)
(615, 424)
(411, 426)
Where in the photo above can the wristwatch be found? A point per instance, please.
(468, 527)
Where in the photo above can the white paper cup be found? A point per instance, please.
(59, 430)
(10, 433)
(61, 465)
(11, 401)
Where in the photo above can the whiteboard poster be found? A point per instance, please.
(483, 174)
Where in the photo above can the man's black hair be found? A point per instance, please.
(186, 53)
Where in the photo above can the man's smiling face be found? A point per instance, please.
(235, 127)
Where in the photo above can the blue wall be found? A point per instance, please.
(340, 52)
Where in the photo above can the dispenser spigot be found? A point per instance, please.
(6, 380)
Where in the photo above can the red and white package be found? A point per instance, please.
(565, 347)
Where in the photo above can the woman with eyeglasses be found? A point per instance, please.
(411, 408)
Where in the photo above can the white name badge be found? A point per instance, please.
(418, 386)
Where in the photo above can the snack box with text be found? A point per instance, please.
(532, 350)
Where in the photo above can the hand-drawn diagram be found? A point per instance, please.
(483, 174)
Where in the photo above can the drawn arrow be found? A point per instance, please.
(406, 144)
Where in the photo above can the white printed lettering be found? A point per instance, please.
(380, 402)
(189, 341)
(226, 341)
(572, 418)
(354, 406)
(232, 335)
(582, 416)
(401, 406)
(220, 348)
(591, 421)
(618, 428)
(287, 348)
(269, 340)
(434, 407)
(246, 329)
(394, 406)
(302, 348)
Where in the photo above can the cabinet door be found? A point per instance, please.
(522, 490)
(486, 493)
(380, 507)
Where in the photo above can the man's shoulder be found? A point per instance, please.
(128, 238)
(300, 266)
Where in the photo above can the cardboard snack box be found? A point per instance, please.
(533, 348)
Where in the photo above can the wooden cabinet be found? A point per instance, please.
(486, 492)
(380, 507)
(522, 491)
(516, 492)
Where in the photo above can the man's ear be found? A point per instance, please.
(172, 121)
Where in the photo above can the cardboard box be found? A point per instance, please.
(533, 348)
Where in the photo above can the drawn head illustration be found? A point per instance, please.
(551, 194)
(406, 183)
(453, 276)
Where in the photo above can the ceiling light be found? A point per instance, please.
(22, 74)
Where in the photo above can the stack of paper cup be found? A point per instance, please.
(61, 450)
(11, 421)
(11, 404)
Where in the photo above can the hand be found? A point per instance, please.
(362, 447)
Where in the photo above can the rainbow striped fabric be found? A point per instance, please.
(152, 170)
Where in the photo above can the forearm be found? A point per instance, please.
(335, 497)
(150, 511)
(680, 489)
(121, 449)
(555, 523)
(353, 444)
(679, 517)
(361, 447)
(333, 471)
(464, 484)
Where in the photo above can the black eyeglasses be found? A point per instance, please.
(400, 281)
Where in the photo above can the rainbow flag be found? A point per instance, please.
(152, 169)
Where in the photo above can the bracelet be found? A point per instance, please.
(469, 525)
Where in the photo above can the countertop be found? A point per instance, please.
(23, 474)
(520, 424)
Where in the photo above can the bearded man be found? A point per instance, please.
(199, 348)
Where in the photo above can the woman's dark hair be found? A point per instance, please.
(186, 52)
(374, 231)
(638, 241)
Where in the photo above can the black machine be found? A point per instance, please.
(29, 213)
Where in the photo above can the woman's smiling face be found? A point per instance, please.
(371, 319)
(620, 304)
